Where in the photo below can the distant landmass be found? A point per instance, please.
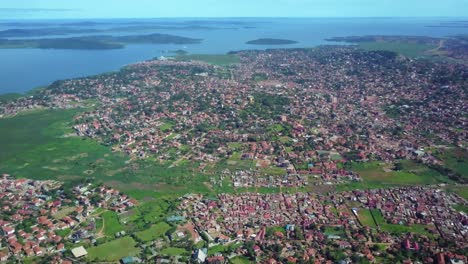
(34, 32)
(95, 42)
(39, 32)
(271, 41)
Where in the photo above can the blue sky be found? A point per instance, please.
(229, 8)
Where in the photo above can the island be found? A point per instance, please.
(95, 42)
(271, 41)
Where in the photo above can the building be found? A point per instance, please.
(79, 252)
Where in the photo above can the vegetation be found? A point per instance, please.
(455, 159)
(222, 60)
(365, 217)
(153, 232)
(411, 174)
(5, 98)
(41, 145)
(111, 223)
(172, 251)
(406, 49)
(397, 228)
(240, 260)
(114, 250)
(461, 208)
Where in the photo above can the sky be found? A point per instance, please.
(62, 9)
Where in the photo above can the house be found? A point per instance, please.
(7, 230)
(200, 255)
(130, 260)
(3, 256)
(215, 260)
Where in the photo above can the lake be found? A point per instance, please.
(24, 69)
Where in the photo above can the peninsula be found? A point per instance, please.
(271, 41)
(95, 42)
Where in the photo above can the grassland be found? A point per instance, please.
(461, 190)
(155, 231)
(111, 223)
(240, 260)
(222, 60)
(456, 159)
(114, 250)
(461, 208)
(396, 228)
(365, 217)
(406, 49)
(380, 175)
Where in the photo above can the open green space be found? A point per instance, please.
(456, 159)
(461, 208)
(396, 228)
(63, 232)
(172, 251)
(461, 190)
(217, 59)
(155, 231)
(381, 175)
(114, 250)
(240, 260)
(111, 223)
(365, 217)
(223, 248)
(406, 49)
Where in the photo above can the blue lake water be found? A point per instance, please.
(25, 69)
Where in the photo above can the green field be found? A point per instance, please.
(365, 217)
(460, 190)
(114, 250)
(222, 60)
(42, 145)
(111, 223)
(172, 251)
(406, 49)
(456, 159)
(222, 248)
(374, 176)
(153, 232)
(398, 229)
(240, 260)
(461, 208)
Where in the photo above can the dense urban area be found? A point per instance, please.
(327, 155)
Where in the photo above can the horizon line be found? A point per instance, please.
(237, 17)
